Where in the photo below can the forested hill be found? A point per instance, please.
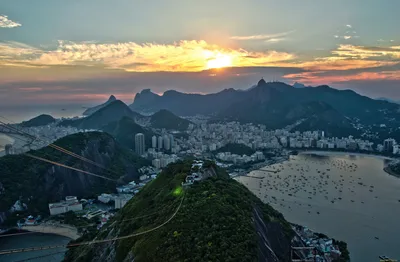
(37, 183)
(218, 220)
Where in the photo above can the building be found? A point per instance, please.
(167, 143)
(71, 203)
(171, 141)
(160, 142)
(121, 200)
(9, 149)
(154, 142)
(139, 144)
(104, 198)
(388, 144)
(156, 163)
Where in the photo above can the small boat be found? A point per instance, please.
(377, 238)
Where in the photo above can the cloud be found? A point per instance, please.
(275, 40)
(347, 37)
(185, 56)
(7, 23)
(363, 52)
(261, 37)
(349, 26)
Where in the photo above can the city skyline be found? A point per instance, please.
(83, 52)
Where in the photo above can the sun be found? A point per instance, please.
(219, 61)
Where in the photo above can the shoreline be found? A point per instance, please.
(390, 172)
(60, 230)
(333, 153)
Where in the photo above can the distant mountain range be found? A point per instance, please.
(111, 112)
(277, 105)
(91, 110)
(117, 119)
(388, 100)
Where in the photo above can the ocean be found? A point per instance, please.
(33, 240)
(348, 198)
(22, 113)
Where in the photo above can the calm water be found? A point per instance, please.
(22, 113)
(32, 240)
(349, 198)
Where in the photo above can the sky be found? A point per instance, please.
(74, 51)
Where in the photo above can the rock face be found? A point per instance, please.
(216, 219)
(37, 183)
(91, 110)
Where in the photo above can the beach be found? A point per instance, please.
(57, 229)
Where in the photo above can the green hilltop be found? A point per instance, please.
(219, 220)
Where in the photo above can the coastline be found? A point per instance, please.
(336, 153)
(390, 172)
(61, 230)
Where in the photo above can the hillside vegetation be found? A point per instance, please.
(216, 222)
(166, 119)
(238, 149)
(37, 183)
(125, 130)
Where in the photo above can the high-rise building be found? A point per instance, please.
(167, 143)
(9, 149)
(172, 141)
(154, 142)
(388, 144)
(160, 142)
(139, 144)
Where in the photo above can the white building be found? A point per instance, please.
(71, 203)
(167, 143)
(121, 200)
(160, 142)
(156, 163)
(104, 198)
(154, 142)
(139, 144)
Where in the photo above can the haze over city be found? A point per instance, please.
(81, 52)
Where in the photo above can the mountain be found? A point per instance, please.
(184, 104)
(298, 85)
(38, 183)
(40, 120)
(125, 130)
(91, 110)
(166, 119)
(217, 219)
(272, 104)
(388, 100)
(112, 112)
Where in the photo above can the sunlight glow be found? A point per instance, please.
(219, 61)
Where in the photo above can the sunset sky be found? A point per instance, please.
(81, 51)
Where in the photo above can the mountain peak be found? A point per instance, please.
(112, 98)
(261, 82)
